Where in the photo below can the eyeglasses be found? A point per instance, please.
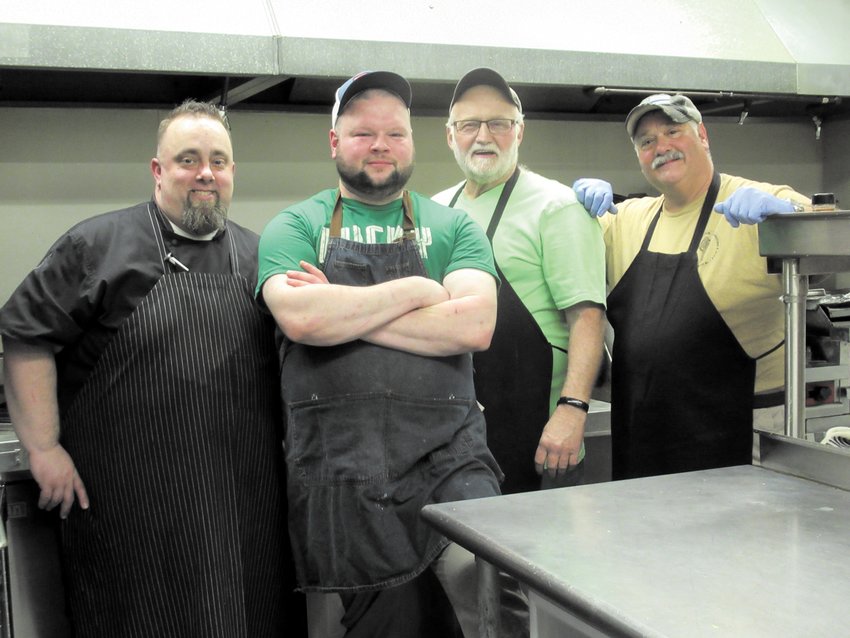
(496, 127)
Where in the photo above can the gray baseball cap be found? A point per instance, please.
(678, 108)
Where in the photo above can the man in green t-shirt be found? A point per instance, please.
(381, 294)
(551, 261)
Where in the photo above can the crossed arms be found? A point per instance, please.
(412, 314)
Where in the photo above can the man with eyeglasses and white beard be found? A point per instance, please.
(551, 259)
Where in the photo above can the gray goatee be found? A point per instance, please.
(200, 220)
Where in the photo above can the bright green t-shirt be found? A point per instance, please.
(549, 250)
(447, 238)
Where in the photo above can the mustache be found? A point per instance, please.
(669, 156)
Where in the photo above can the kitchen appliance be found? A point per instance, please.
(827, 372)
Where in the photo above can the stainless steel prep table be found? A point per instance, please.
(742, 551)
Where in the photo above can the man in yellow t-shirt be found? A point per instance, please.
(698, 321)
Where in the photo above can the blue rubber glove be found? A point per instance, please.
(750, 206)
(595, 195)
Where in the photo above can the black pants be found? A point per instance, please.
(417, 609)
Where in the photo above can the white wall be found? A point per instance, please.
(59, 166)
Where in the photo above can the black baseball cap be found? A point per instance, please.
(486, 77)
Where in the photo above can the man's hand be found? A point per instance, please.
(58, 479)
(560, 443)
(750, 206)
(310, 275)
(595, 195)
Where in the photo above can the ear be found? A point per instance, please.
(156, 170)
(449, 138)
(703, 135)
(519, 133)
(334, 141)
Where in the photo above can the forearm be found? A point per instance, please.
(462, 323)
(448, 328)
(30, 387)
(586, 323)
(560, 443)
(325, 315)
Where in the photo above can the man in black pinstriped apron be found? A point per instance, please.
(139, 333)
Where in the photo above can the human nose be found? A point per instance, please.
(380, 143)
(483, 132)
(205, 172)
(662, 145)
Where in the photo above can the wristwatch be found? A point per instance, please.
(576, 403)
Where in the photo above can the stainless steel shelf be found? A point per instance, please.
(801, 235)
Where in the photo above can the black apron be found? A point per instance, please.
(513, 378)
(681, 384)
(374, 434)
(176, 436)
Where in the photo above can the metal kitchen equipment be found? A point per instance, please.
(803, 244)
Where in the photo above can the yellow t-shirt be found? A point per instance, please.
(732, 271)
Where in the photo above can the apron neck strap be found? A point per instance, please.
(165, 255)
(408, 225)
(702, 222)
(500, 205)
(157, 233)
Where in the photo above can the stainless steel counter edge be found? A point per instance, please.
(602, 616)
(803, 459)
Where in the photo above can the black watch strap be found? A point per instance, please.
(576, 403)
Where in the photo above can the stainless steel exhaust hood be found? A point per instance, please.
(776, 57)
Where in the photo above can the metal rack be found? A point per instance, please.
(805, 244)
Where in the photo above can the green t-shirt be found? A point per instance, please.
(448, 239)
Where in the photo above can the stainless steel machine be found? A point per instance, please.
(803, 246)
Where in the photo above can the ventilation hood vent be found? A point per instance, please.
(734, 57)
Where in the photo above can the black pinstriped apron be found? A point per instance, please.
(175, 437)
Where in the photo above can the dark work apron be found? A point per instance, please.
(682, 385)
(374, 434)
(176, 436)
(513, 378)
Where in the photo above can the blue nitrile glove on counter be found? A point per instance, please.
(751, 206)
(595, 195)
